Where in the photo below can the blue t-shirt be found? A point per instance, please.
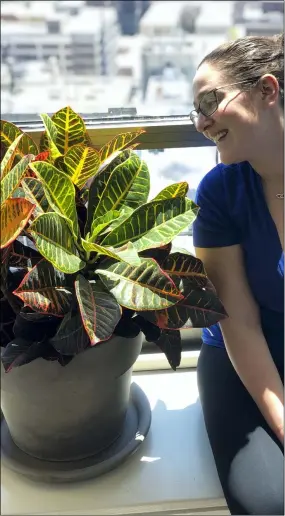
(233, 210)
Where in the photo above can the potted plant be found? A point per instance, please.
(87, 266)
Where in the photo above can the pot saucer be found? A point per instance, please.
(136, 427)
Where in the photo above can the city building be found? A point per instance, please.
(82, 39)
(259, 18)
(176, 35)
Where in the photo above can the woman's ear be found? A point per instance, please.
(269, 88)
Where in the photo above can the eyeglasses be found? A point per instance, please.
(209, 103)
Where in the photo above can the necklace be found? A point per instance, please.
(280, 196)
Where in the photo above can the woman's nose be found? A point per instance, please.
(202, 122)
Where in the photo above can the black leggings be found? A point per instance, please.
(248, 456)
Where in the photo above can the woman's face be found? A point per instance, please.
(236, 125)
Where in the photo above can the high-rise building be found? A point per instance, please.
(84, 41)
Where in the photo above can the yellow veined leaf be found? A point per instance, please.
(7, 161)
(118, 143)
(172, 191)
(70, 128)
(55, 241)
(142, 287)
(154, 224)
(81, 163)
(126, 185)
(51, 132)
(101, 223)
(26, 145)
(127, 254)
(15, 214)
(34, 192)
(10, 182)
(59, 191)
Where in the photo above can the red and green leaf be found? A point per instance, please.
(99, 310)
(142, 287)
(71, 337)
(200, 309)
(186, 271)
(170, 344)
(46, 290)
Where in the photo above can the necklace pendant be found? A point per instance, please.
(280, 196)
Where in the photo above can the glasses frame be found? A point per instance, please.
(195, 112)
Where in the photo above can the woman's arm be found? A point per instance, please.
(244, 339)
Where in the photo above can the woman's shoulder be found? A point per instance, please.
(228, 184)
(226, 175)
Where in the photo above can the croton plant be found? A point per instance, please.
(85, 254)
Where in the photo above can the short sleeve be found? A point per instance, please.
(214, 225)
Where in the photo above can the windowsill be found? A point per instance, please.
(173, 470)
(158, 361)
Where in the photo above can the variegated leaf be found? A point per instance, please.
(15, 214)
(127, 185)
(81, 163)
(71, 337)
(118, 143)
(51, 132)
(101, 223)
(46, 290)
(154, 224)
(7, 161)
(128, 255)
(26, 145)
(200, 309)
(142, 287)
(34, 192)
(172, 191)
(70, 128)
(125, 213)
(99, 309)
(10, 182)
(170, 344)
(186, 271)
(54, 240)
(59, 191)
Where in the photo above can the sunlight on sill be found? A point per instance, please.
(158, 362)
(150, 459)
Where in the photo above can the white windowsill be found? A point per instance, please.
(158, 361)
(173, 470)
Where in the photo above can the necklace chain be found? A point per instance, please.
(280, 196)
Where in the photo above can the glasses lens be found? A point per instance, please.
(209, 104)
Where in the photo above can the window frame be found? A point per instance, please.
(167, 132)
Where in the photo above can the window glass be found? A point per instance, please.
(175, 165)
(104, 54)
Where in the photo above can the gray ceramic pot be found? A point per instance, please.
(68, 413)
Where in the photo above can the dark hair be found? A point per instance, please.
(249, 58)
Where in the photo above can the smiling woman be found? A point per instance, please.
(238, 234)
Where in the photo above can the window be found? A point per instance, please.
(149, 48)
